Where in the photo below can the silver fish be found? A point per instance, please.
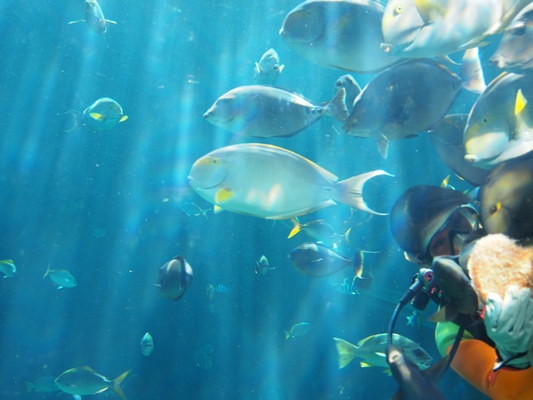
(338, 34)
(7, 267)
(234, 178)
(319, 230)
(431, 28)
(372, 351)
(147, 344)
(315, 260)
(515, 51)
(82, 381)
(174, 278)
(94, 17)
(61, 277)
(298, 329)
(268, 69)
(262, 266)
(351, 87)
(102, 115)
(267, 111)
(493, 132)
(447, 140)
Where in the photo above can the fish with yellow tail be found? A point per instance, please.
(84, 381)
(94, 17)
(319, 230)
(234, 178)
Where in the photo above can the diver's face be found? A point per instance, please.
(440, 244)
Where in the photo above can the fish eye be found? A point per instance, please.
(485, 120)
(338, 84)
(493, 209)
(275, 68)
(398, 9)
(519, 31)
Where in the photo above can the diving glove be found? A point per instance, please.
(509, 324)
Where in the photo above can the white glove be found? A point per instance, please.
(509, 324)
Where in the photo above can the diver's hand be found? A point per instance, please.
(509, 324)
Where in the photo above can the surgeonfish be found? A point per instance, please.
(319, 230)
(61, 277)
(234, 178)
(372, 351)
(298, 329)
(447, 140)
(102, 115)
(515, 51)
(147, 344)
(174, 278)
(267, 111)
(351, 87)
(94, 17)
(315, 260)
(432, 28)
(268, 69)
(414, 383)
(262, 266)
(402, 101)
(506, 198)
(499, 125)
(338, 34)
(84, 381)
(7, 267)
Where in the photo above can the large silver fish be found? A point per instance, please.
(447, 140)
(372, 351)
(315, 260)
(268, 69)
(271, 182)
(267, 111)
(344, 34)
(506, 198)
(494, 132)
(94, 17)
(102, 115)
(430, 28)
(515, 51)
(84, 381)
(402, 101)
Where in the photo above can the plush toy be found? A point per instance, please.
(497, 262)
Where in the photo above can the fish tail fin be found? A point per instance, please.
(520, 113)
(350, 191)
(471, 72)
(116, 384)
(346, 236)
(297, 228)
(47, 271)
(77, 120)
(346, 352)
(336, 108)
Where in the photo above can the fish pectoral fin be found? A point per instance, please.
(296, 229)
(110, 22)
(257, 68)
(124, 118)
(383, 146)
(217, 209)
(365, 364)
(75, 22)
(96, 116)
(317, 260)
(223, 195)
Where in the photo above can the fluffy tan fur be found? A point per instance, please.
(496, 262)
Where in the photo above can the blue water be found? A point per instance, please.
(107, 206)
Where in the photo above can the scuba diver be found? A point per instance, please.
(490, 346)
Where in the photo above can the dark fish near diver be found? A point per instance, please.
(94, 17)
(174, 278)
(338, 34)
(508, 194)
(447, 140)
(414, 383)
(268, 111)
(402, 101)
(315, 260)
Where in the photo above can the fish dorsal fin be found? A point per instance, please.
(224, 194)
(429, 10)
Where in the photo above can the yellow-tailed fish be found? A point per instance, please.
(102, 115)
(84, 381)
